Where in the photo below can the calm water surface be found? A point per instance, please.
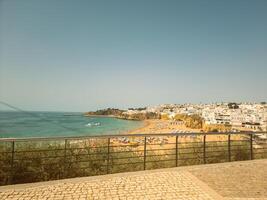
(47, 124)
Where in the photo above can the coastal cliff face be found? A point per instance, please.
(190, 121)
(121, 114)
(107, 112)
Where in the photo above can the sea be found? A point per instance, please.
(57, 124)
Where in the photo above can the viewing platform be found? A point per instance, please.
(235, 180)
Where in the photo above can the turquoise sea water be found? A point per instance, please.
(53, 124)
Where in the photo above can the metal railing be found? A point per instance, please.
(40, 159)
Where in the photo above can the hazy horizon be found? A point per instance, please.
(88, 55)
(5, 108)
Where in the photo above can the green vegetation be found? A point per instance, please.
(140, 116)
(138, 109)
(121, 115)
(43, 161)
(46, 160)
(108, 111)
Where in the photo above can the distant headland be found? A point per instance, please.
(221, 117)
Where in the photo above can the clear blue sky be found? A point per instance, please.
(79, 55)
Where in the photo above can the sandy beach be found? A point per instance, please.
(166, 142)
(162, 126)
(166, 126)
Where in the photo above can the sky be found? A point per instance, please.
(85, 55)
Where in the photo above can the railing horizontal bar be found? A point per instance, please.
(89, 147)
(240, 149)
(226, 150)
(5, 152)
(159, 144)
(225, 146)
(34, 158)
(188, 153)
(85, 154)
(37, 151)
(259, 149)
(44, 150)
(240, 141)
(151, 161)
(207, 157)
(198, 147)
(59, 156)
(131, 145)
(104, 166)
(32, 172)
(260, 152)
(200, 158)
(239, 145)
(128, 163)
(114, 158)
(37, 156)
(86, 147)
(160, 149)
(126, 135)
(80, 161)
(114, 152)
(217, 141)
(50, 157)
(185, 143)
(172, 154)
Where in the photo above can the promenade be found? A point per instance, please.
(230, 181)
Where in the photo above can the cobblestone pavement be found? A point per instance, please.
(237, 179)
(216, 181)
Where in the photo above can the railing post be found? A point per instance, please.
(12, 163)
(176, 155)
(145, 154)
(65, 156)
(204, 149)
(251, 146)
(108, 156)
(229, 147)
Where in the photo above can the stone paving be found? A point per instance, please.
(239, 180)
(231, 181)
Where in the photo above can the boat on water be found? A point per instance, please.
(94, 124)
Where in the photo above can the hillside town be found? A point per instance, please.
(251, 116)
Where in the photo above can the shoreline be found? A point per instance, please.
(151, 126)
(113, 116)
(147, 123)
